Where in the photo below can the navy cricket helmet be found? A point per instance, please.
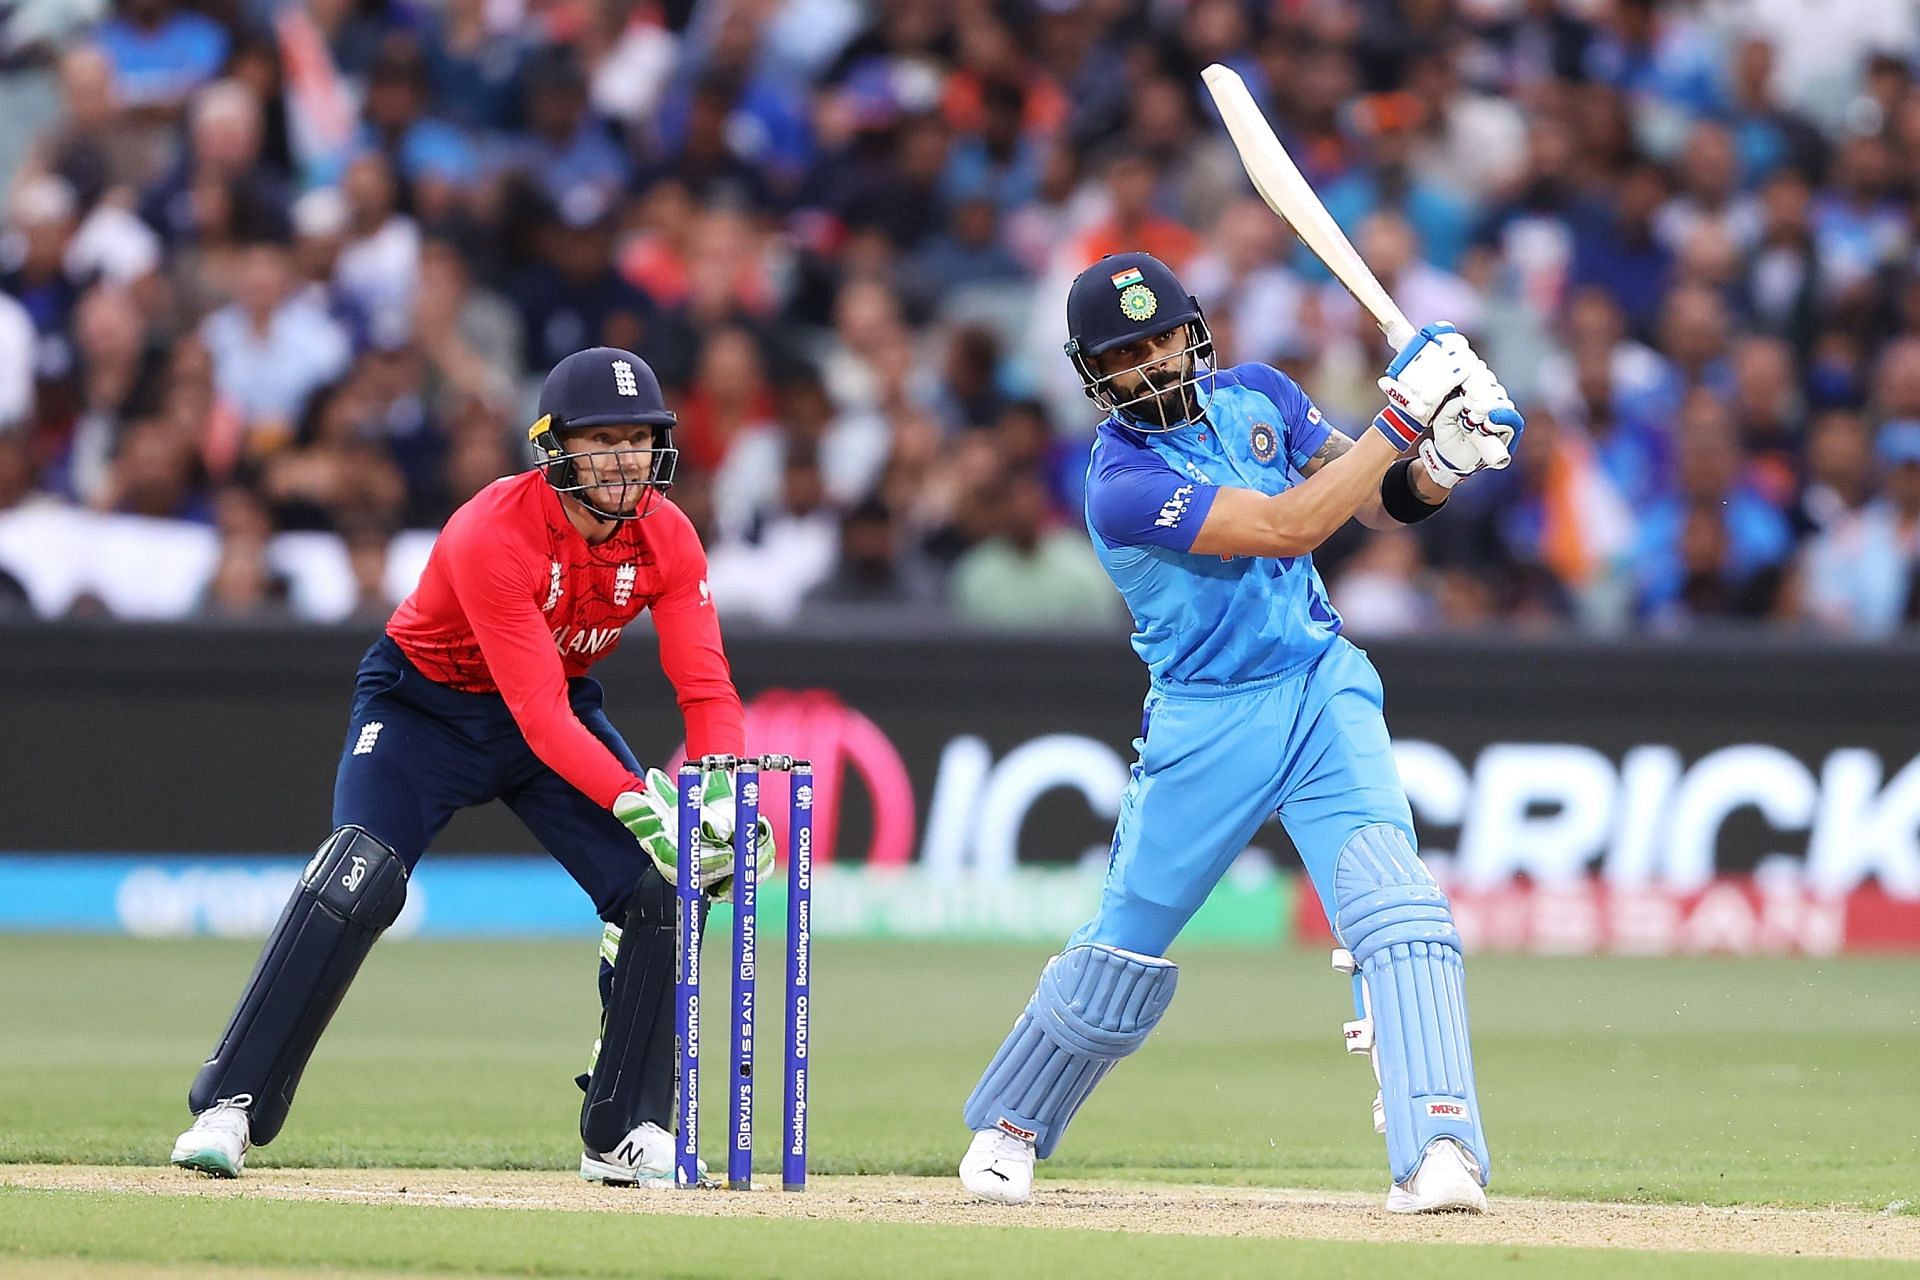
(1123, 298)
(602, 387)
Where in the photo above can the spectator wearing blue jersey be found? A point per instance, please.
(1858, 575)
(1657, 54)
(1714, 548)
(272, 347)
(160, 52)
(475, 71)
(568, 153)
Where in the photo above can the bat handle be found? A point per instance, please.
(1399, 331)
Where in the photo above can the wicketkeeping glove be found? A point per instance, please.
(717, 814)
(653, 816)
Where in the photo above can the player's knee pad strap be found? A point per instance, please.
(350, 893)
(1093, 1007)
(1399, 927)
(631, 1079)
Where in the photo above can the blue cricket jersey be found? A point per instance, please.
(1203, 620)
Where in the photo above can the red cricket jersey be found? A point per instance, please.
(514, 601)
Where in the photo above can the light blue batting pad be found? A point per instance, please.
(1093, 1007)
(1396, 922)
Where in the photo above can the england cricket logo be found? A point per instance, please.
(623, 380)
(553, 589)
(623, 586)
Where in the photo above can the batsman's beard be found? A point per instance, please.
(1172, 399)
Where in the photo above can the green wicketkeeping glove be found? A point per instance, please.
(716, 831)
(653, 816)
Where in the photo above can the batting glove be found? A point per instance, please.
(1425, 374)
(1474, 431)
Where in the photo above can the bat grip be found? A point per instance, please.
(1399, 331)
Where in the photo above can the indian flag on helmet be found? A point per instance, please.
(1121, 279)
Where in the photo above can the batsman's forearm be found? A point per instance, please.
(1306, 515)
(1373, 514)
(1343, 480)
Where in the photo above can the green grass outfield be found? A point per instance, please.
(1778, 1082)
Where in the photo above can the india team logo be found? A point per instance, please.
(1265, 442)
(1137, 302)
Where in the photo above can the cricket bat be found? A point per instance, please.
(1280, 184)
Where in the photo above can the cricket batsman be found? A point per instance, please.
(1207, 492)
(478, 691)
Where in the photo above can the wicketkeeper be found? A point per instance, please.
(478, 691)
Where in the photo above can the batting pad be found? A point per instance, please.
(1093, 1007)
(1396, 922)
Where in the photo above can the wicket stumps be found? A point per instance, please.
(688, 904)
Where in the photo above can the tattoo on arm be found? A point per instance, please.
(1337, 444)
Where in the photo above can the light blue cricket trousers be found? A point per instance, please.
(1213, 765)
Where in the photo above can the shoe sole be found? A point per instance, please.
(211, 1162)
(613, 1175)
(1465, 1207)
(1463, 1200)
(992, 1198)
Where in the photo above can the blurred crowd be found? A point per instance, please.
(278, 282)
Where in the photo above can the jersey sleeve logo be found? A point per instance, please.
(554, 589)
(623, 380)
(1174, 509)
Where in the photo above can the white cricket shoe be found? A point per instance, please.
(998, 1167)
(1446, 1181)
(644, 1158)
(217, 1144)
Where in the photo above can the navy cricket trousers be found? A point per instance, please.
(417, 751)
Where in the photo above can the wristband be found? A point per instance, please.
(1398, 497)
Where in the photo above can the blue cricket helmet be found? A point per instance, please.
(602, 387)
(1123, 298)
